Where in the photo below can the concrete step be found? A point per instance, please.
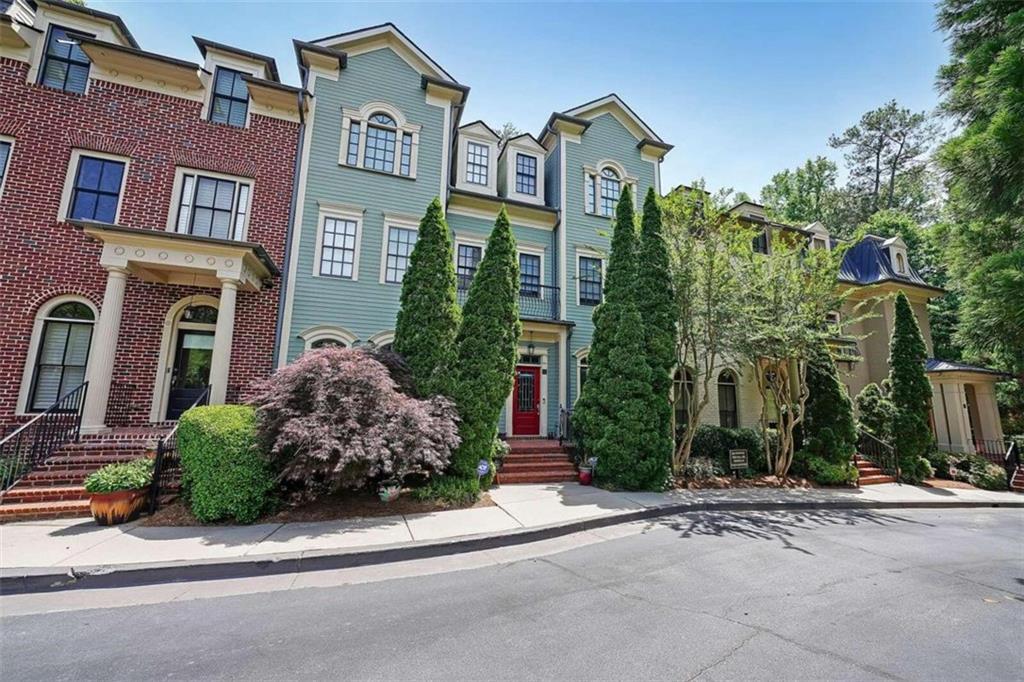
(874, 480)
(28, 511)
(19, 494)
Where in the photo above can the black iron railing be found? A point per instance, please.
(1012, 462)
(994, 451)
(167, 465)
(28, 445)
(565, 433)
(879, 453)
(536, 301)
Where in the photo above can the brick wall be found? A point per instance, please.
(43, 257)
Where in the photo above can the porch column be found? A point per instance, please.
(220, 363)
(104, 347)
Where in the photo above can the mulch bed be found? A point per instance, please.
(351, 505)
(723, 482)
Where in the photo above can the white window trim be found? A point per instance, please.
(581, 355)
(33, 347)
(589, 253)
(10, 158)
(593, 173)
(72, 171)
(209, 74)
(66, 22)
(179, 178)
(342, 212)
(323, 332)
(382, 338)
(402, 126)
(390, 220)
(533, 251)
(465, 137)
(511, 175)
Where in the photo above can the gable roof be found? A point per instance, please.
(480, 124)
(866, 263)
(613, 103)
(393, 37)
(94, 13)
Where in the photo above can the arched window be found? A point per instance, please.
(728, 416)
(682, 394)
(901, 263)
(381, 135)
(327, 342)
(611, 187)
(62, 353)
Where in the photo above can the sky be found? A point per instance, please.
(742, 90)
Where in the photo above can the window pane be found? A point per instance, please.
(338, 252)
(400, 245)
(477, 163)
(110, 177)
(106, 208)
(406, 164)
(72, 311)
(221, 225)
(5, 155)
(237, 115)
(380, 149)
(590, 194)
(467, 261)
(59, 45)
(590, 281)
(609, 192)
(223, 84)
(77, 78)
(231, 98)
(202, 222)
(526, 174)
(47, 384)
(84, 207)
(383, 119)
(353, 145)
(225, 198)
(221, 109)
(529, 275)
(89, 172)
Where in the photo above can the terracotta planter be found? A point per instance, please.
(110, 509)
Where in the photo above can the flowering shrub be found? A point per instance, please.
(335, 418)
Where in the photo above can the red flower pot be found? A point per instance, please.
(586, 476)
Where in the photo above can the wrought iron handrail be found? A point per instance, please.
(31, 443)
(565, 433)
(536, 301)
(879, 453)
(167, 463)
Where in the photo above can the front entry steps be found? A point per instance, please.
(869, 474)
(536, 460)
(1017, 481)
(54, 489)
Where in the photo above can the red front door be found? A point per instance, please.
(526, 402)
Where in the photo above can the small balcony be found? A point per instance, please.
(536, 301)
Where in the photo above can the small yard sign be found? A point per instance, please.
(738, 459)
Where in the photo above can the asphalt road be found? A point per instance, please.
(921, 595)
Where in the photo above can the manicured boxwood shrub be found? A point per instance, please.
(822, 471)
(714, 442)
(112, 478)
(224, 473)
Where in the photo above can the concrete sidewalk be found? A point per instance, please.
(77, 544)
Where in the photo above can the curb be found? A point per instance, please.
(56, 579)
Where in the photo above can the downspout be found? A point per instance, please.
(296, 169)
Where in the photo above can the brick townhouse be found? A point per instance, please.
(145, 202)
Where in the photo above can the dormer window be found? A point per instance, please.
(378, 138)
(65, 65)
(230, 98)
(526, 174)
(819, 243)
(477, 161)
(901, 264)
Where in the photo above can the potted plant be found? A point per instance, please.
(117, 492)
(587, 471)
(389, 490)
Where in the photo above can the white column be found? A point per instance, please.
(220, 363)
(104, 347)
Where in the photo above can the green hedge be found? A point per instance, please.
(224, 474)
(714, 442)
(822, 471)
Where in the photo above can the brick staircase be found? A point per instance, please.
(869, 474)
(536, 460)
(1017, 482)
(54, 489)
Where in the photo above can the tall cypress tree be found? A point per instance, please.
(487, 347)
(828, 421)
(655, 300)
(911, 392)
(616, 414)
(428, 319)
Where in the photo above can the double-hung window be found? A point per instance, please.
(65, 65)
(401, 241)
(529, 275)
(62, 354)
(526, 174)
(213, 207)
(381, 135)
(477, 162)
(5, 158)
(590, 276)
(610, 189)
(230, 98)
(467, 260)
(338, 248)
(96, 190)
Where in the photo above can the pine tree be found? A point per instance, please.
(428, 318)
(911, 392)
(617, 416)
(487, 348)
(831, 432)
(656, 303)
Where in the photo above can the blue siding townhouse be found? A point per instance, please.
(383, 137)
